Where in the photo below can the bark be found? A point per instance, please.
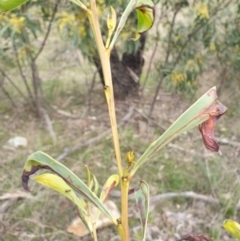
(126, 71)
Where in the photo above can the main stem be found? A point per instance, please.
(104, 55)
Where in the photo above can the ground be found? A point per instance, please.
(77, 117)
(184, 165)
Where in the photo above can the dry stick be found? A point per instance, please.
(49, 125)
(156, 198)
(14, 85)
(166, 59)
(6, 93)
(96, 138)
(21, 72)
(182, 49)
(48, 31)
(8, 96)
(34, 70)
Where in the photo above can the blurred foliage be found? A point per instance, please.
(192, 36)
(73, 25)
(196, 36)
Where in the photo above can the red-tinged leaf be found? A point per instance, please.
(215, 111)
(195, 237)
(25, 177)
(111, 182)
(40, 160)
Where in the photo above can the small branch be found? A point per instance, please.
(14, 85)
(8, 96)
(228, 142)
(48, 31)
(166, 59)
(21, 72)
(153, 52)
(49, 125)
(157, 198)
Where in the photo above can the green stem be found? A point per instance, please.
(104, 55)
(124, 205)
(94, 231)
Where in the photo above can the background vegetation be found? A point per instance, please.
(48, 67)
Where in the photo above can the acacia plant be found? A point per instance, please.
(18, 30)
(203, 113)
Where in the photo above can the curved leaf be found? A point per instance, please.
(145, 14)
(232, 227)
(192, 117)
(58, 184)
(40, 160)
(215, 111)
(8, 5)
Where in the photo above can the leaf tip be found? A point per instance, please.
(25, 177)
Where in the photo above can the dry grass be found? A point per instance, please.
(175, 169)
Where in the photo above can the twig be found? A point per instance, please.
(48, 31)
(49, 125)
(166, 59)
(154, 51)
(228, 142)
(7, 94)
(157, 198)
(149, 120)
(96, 138)
(21, 72)
(192, 152)
(64, 113)
(14, 85)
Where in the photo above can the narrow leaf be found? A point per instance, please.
(95, 184)
(142, 201)
(8, 5)
(232, 227)
(92, 181)
(192, 117)
(40, 160)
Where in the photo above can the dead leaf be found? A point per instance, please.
(195, 237)
(215, 111)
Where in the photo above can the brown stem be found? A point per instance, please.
(166, 59)
(21, 72)
(48, 31)
(7, 94)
